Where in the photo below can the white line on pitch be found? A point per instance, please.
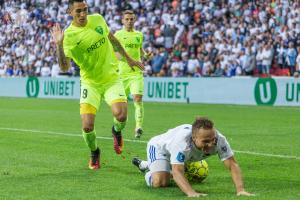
(141, 141)
(65, 134)
(267, 154)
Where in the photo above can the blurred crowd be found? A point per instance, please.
(194, 38)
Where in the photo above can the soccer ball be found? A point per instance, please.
(196, 171)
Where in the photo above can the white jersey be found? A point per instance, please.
(176, 146)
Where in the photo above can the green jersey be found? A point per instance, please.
(132, 43)
(92, 51)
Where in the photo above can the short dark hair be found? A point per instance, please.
(126, 12)
(202, 122)
(71, 2)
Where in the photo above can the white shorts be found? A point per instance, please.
(158, 161)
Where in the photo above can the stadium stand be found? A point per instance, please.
(193, 38)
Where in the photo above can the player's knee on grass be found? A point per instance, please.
(160, 179)
(160, 183)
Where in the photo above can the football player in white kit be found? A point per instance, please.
(167, 153)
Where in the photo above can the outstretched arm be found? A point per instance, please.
(119, 48)
(182, 182)
(236, 175)
(58, 37)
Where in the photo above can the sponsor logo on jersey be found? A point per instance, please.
(96, 45)
(224, 149)
(132, 46)
(180, 157)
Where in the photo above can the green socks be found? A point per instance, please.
(139, 114)
(118, 126)
(90, 139)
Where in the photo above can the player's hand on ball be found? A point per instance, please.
(244, 193)
(57, 34)
(197, 194)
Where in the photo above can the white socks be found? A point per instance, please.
(143, 165)
(148, 179)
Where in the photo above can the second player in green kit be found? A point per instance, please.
(132, 78)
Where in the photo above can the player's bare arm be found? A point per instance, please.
(236, 175)
(146, 55)
(58, 37)
(182, 182)
(119, 48)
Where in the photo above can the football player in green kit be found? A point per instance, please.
(89, 43)
(133, 80)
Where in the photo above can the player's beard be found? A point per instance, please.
(206, 149)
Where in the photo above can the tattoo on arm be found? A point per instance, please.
(63, 61)
(117, 45)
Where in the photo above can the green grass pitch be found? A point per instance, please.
(43, 156)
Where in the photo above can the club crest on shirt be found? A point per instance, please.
(180, 157)
(224, 149)
(99, 30)
(138, 39)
